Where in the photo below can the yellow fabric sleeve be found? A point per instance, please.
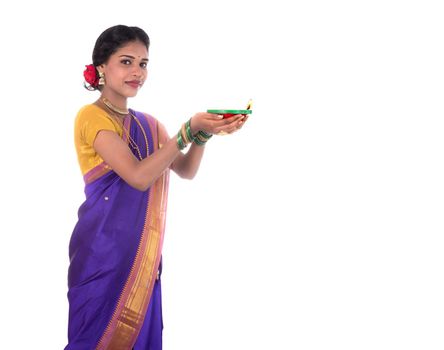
(89, 121)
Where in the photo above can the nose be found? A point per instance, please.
(138, 72)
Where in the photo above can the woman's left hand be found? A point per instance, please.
(234, 124)
(215, 124)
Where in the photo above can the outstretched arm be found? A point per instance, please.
(140, 174)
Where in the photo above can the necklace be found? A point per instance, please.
(131, 141)
(144, 134)
(118, 110)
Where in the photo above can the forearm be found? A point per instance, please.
(187, 165)
(141, 174)
(150, 168)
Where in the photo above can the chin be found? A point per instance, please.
(130, 93)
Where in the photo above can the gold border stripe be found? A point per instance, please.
(128, 317)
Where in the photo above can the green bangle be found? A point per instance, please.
(201, 138)
(197, 141)
(180, 144)
(205, 135)
(188, 131)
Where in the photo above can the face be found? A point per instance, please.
(126, 70)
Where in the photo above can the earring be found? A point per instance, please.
(101, 78)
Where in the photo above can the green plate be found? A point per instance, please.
(229, 111)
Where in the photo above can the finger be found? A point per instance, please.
(238, 122)
(227, 121)
(234, 119)
(213, 116)
(230, 128)
(238, 126)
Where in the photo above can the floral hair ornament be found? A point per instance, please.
(90, 75)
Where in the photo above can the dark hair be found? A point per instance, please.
(109, 42)
(113, 39)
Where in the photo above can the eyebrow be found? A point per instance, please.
(143, 59)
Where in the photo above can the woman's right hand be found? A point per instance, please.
(214, 123)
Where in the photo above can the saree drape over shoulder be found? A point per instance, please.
(115, 254)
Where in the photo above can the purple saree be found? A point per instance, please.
(115, 256)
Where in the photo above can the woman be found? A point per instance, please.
(125, 156)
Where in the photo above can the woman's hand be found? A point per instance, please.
(215, 124)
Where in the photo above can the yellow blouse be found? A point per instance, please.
(89, 121)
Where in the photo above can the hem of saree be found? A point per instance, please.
(129, 314)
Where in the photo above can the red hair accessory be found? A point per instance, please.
(90, 75)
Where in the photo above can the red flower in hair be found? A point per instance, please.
(90, 75)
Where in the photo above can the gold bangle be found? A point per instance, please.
(184, 134)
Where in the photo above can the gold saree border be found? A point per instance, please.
(96, 172)
(129, 314)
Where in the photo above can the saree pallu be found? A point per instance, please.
(115, 255)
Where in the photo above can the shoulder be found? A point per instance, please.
(94, 116)
(90, 120)
(151, 119)
(161, 129)
(143, 115)
(91, 112)
(154, 123)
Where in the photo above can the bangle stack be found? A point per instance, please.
(185, 137)
(201, 138)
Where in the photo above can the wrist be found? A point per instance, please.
(194, 126)
(184, 136)
(201, 138)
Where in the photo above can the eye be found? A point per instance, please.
(125, 62)
(144, 64)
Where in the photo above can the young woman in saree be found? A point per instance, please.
(125, 156)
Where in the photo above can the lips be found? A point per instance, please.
(134, 83)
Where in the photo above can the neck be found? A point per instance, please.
(116, 101)
(117, 109)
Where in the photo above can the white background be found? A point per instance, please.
(319, 226)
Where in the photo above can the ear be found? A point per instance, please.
(100, 68)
